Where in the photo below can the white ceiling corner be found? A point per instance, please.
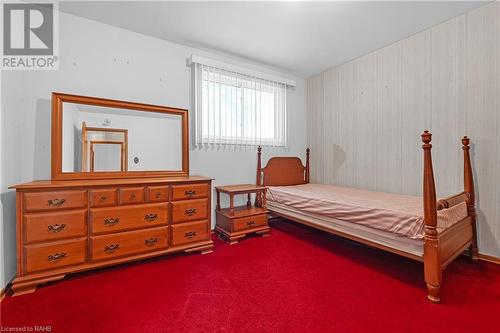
(297, 37)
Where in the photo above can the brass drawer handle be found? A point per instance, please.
(190, 211)
(250, 223)
(151, 217)
(190, 193)
(103, 198)
(111, 221)
(111, 248)
(132, 197)
(190, 234)
(151, 241)
(56, 256)
(158, 195)
(55, 228)
(56, 202)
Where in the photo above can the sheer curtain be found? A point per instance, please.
(234, 109)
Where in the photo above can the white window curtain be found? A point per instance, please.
(235, 109)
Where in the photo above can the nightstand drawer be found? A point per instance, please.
(189, 210)
(250, 222)
(191, 191)
(192, 232)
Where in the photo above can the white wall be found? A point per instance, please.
(70, 130)
(365, 117)
(104, 61)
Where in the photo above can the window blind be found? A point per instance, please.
(235, 109)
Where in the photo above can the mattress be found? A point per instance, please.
(397, 214)
(385, 238)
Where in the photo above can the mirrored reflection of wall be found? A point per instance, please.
(104, 149)
(154, 140)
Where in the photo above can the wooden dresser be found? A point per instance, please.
(75, 225)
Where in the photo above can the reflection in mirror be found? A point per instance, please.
(106, 156)
(103, 139)
(96, 142)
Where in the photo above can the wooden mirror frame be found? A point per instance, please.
(56, 152)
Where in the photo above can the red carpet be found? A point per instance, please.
(297, 280)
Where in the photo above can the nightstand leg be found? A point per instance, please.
(218, 201)
(231, 204)
(264, 199)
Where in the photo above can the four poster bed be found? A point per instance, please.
(431, 231)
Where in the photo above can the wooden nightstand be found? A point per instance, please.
(234, 223)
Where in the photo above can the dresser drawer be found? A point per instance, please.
(55, 225)
(42, 257)
(39, 201)
(191, 191)
(157, 193)
(103, 197)
(189, 210)
(131, 195)
(191, 232)
(249, 222)
(128, 243)
(113, 219)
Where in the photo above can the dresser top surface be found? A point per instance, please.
(46, 184)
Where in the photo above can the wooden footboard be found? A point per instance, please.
(440, 248)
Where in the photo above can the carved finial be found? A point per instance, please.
(426, 137)
(465, 141)
(308, 150)
(259, 149)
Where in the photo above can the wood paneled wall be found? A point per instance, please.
(365, 117)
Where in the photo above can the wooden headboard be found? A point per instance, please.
(282, 171)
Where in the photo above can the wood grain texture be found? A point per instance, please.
(284, 171)
(157, 193)
(191, 232)
(191, 191)
(63, 240)
(56, 200)
(126, 243)
(102, 197)
(47, 256)
(445, 79)
(189, 210)
(55, 225)
(122, 218)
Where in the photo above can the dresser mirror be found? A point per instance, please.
(101, 138)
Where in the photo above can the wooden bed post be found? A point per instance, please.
(307, 165)
(432, 265)
(471, 201)
(259, 166)
(258, 181)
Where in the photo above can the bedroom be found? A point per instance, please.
(357, 83)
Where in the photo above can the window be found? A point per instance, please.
(233, 108)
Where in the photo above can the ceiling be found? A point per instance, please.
(300, 38)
